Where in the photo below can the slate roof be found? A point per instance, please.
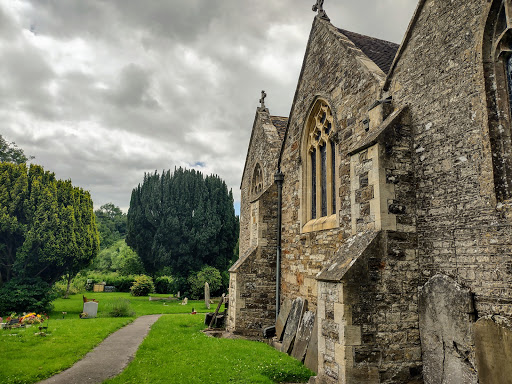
(280, 123)
(381, 52)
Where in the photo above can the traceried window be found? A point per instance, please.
(320, 164)
(257, 180)
(497, 52)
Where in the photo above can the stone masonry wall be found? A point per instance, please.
(368, 331)
(335, 70)
(463, 231)
(264, 149)
(252, 279)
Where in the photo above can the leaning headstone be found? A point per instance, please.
(185, 301)
(292, 324)
(91, 308)
(493, 350)
(303, 335)
(207, 295)
(311, 360)
(283, 316)
(446, 315)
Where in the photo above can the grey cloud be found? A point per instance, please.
(180, 79)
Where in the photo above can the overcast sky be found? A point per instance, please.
(101, 91)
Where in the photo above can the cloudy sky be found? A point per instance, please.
(101, 91)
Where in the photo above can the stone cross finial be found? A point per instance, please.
(262, 100)
(319, 6)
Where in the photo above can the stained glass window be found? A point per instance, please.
(321, 149)
(333, 174)
(323, 156)
(313, 183)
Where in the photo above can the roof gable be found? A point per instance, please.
(381, 52)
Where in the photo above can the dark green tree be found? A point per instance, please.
(47, 226)
(183, 221)
(11, 153)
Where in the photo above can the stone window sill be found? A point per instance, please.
(320, 224)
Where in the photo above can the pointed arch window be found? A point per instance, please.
(498, 70)
(319, 149)
(257, 180)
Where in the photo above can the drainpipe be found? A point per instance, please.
(278, 178)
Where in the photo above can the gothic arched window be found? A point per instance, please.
(498, 69)
(257, 180)
(319, 157)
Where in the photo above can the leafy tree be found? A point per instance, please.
(182, 220)
(47, 226)
(111, 223)
(206, 274)
(11, 153)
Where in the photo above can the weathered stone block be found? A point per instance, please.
(292, 324)
(446, 319)
(493, 350)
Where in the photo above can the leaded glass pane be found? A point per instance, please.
(323, 156)
(333, 173)
(509, 80)
(313, 184)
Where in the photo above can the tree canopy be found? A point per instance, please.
(182, 221)
(11, 153)
(111, 222)
(47, 226)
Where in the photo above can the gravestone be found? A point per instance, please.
(110, 288)
(91, 308)
(446, 315)
(493, 350)
(292, 324)
(207, 295)
(178, 295)
(311, 360)
(185, 301)
(303, 335)
(283, 316)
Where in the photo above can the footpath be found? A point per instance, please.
(110, 357)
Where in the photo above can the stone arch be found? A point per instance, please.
(318, 157)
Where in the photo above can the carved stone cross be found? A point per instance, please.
(262, 100)
(319, 6)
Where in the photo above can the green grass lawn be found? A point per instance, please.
(27, 358)
(176, 351)
(141, 305)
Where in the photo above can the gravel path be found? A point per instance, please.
(110, 357)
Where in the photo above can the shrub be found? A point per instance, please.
(119, 308)
(197, 280)
(26, 295)
(122, 283)
(142, 286)
(164, 284)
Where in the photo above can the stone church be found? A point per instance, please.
(384, 202)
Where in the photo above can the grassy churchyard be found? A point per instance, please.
(175, 351)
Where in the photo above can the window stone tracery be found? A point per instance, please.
(320, 164)
(257, 180)
(498, 69)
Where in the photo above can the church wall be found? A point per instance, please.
(264, 150)
(253, 280)
(331, 72)
(463, 232)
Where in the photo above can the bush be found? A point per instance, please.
(197, 280)
(122, 283)
(142, 286)
(119, 308)
(26, 295)
(164, 284)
